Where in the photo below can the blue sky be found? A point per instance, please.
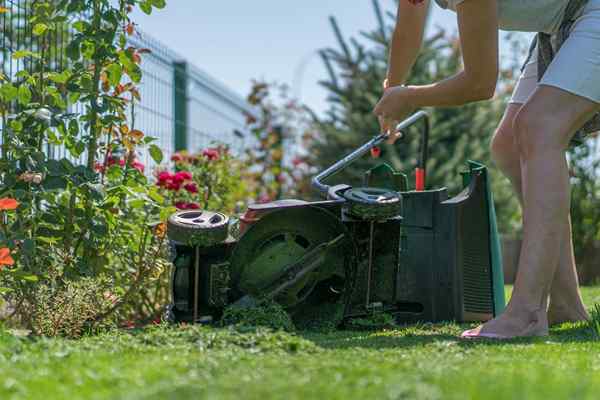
(236, 41)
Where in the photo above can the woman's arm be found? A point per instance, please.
(478, 28)
(407, 40)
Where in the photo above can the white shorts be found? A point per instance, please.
(576, 66)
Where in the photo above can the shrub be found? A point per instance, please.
(74, 222)
(70, 308)
(212, 179)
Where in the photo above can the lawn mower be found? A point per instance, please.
(418, 255)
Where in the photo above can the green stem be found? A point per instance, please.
(95, 108)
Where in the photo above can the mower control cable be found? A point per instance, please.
(317, 181)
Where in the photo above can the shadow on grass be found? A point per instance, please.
(414, 336)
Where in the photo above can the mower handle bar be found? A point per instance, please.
(317, 181)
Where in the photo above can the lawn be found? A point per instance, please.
(417, 362)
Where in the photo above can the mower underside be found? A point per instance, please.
(429, 258)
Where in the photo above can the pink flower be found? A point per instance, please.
(99, 167)
(139, 166)
(191, 187)
(164, 178)
(176, 157)
(211, 154)
(182, 176)
(265, 198)
(193, 206)
(297, 161)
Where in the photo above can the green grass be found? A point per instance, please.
(417, 362)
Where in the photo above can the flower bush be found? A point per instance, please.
(212, 179)
(276, 166)
(60, 221)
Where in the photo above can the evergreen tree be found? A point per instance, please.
(357, 69)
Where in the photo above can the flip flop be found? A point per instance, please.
(471, 335)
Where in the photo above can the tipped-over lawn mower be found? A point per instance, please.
(418, 255)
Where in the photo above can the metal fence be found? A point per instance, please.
(181, 105)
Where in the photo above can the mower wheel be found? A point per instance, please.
(373, 203)
(197, 228)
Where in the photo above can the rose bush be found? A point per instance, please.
(212, 179)
(61, 221)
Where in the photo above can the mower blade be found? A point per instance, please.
(305, 265)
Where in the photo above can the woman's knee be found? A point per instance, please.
(503, 146)
(536, 132)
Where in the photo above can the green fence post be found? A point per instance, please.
(180, 104)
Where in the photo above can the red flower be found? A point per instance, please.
(376, 152)
(193, 206)
(164, 176)
(182, 176)
(139, 166)
(297, 161)
(181, 205)
(8, 204)
(191, 187)
(175, 186)
(211, 154)
(5, 258)
(176, 157)
(99, 167)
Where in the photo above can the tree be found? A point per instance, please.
(356, 72)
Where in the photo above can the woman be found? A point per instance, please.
(530, 142)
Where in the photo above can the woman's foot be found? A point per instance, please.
(512, 324)
(559, 314)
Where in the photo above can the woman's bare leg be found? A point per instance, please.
(566, 304)
(543, 127)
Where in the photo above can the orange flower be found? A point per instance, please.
(7, 204)
(5, 258)
(160, 230)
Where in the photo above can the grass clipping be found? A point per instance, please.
(269, 314)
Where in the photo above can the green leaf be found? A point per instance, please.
(5, 290)
(24, 95)
(17, 55)
(39, 29)
(8, 92)
(166, 212)
(47, 240)
(115, 72)
(146, 7)
(62, 78)
(54, 183)
(136, 203)
(81, 26)
(160, 4)
(74, 50)
(154, 195)
(156, 153)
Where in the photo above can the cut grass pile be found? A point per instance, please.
(417, 362)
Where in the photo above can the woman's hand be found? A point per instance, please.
(394, 106)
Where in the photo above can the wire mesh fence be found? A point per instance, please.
(181, 106)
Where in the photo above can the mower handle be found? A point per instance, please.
(317, 181)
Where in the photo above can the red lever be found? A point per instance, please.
(419, 179)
